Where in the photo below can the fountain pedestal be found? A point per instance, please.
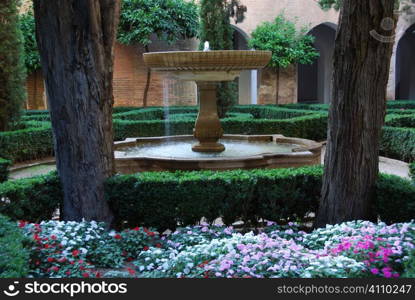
(208, 129)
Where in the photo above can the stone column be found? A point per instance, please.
(208, 129)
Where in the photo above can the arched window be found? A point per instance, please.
(248, 81)
(314, 81)
(405, 66)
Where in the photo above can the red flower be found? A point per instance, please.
(136, 228)
(36, 237)
(150, 233)
(68, 273)
(75, 252)
(158, 245)
(80, 261)
(145, 248)
(129, 259)
(131, 271)
(53, 237)
(85, 275)
(62, 260)
(82, 268)
(98, 275)
(46, 246)
(37, 263)
(22, 224)
(117, 236)
(50, 259)
(56, 269)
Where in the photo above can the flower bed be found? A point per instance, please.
(353, 249)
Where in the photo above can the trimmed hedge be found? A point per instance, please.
(4, 169)
(398, 143)
(14, 257)
(33, 142)
(403, 120)
(31, 199)
(165, 199)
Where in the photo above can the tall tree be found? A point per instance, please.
(12, 72)
(215, 27)
(169, 20)
(357, 111)
(287, 44)
(76, 41)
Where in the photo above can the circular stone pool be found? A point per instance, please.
(242, 151)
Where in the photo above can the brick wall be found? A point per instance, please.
(130, 75)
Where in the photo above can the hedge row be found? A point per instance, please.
(4, 169)
(398, 143)
(33, 142)
(164, 199)
(412, 170)
(14, 257)
(403, 120)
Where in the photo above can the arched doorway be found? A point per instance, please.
(405, 66)
(314, 81)
(248, 81)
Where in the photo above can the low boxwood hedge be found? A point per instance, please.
(4, 169)
(164, 199)
(14, 256)
(398, 143)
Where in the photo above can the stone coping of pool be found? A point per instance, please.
(307, 153)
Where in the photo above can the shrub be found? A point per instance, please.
(14, 257)
(4, 169)
(412, 170)
(398, 143)
(395, 199)
(32, 199)
(32, 142)
(400, 120)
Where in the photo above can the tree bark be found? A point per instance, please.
(361, 71)
(76, 42)
(147, 87)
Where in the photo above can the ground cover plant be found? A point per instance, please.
(352, 249)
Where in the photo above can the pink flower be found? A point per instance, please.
(374, 271)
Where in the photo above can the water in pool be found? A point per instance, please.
(183, 149)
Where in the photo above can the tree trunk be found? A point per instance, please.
(361, 71)
(277, 93)
(147, 88)
(76, 42)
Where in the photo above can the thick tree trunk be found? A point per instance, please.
(361, 70)
(76, 41)
(148, 80)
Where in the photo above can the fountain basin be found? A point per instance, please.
(242, 152)
(207, 68)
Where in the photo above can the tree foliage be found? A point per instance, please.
(215, 27)
(12, 72)
(31, 53)
(170, 20)
(287, 44)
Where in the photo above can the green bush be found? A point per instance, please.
(14, 257)
(410, 266)
(165, 199)
(4, 169)
(412, 170)
(398, 143)
(400, 120)
(32, 199)
(395, 200)
(400, 104)
(30, 143)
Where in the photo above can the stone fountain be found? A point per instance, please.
(207, 69)
(170, 153)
